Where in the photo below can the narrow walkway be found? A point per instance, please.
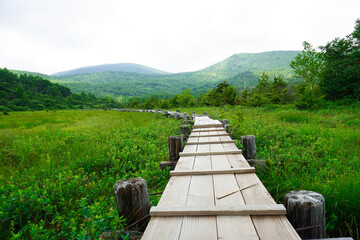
(201, 202)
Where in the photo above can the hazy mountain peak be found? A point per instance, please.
(117, 67)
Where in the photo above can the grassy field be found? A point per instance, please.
(317, 151)
(58, 169)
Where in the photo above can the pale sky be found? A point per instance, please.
(49, 36)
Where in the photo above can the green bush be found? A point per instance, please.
(58, 169)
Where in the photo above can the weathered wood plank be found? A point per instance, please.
(229, 227)
(208, 142)
(208, 135)
(200, 194)
(207, 125)
(209, 172)
(208, 130)
(242, 210)
(210, 153)
(266, 227)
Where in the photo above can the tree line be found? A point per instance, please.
(26, 92)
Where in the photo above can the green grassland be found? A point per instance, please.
(306, 150)
(58, 169)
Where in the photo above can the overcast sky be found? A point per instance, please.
(49, 36)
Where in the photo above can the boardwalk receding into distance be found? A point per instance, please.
(213, 193)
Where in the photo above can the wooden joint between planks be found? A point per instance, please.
(208, 125)
(213, 171)
(210, 142)
(210, 135)
(208, 130)
(182, 154)
(245, 210)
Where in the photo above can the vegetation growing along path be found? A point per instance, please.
(58, 169)
(312, 150)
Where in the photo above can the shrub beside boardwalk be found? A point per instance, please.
(58, 169)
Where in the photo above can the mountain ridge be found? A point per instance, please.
(239, 70)
(113, 67)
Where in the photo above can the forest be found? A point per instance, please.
(27, 92)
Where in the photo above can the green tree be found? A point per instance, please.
(263, 83)
(308, 65)
(185, 99)
(224, 93)
(341, 75)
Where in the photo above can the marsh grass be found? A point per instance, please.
(310, 150)
(58, 169)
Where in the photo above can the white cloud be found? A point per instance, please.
(51, 36)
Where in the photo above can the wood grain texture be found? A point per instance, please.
(208, 125)
(241, 210)
(229, 227)
(213, 171)
(208, 135)
(183, 154)
(200, 194)
(209, 129)
(207, 142)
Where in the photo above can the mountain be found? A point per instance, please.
(136, 80)
(118, 67)
(128, 84)
(272, 62)
(237, 69)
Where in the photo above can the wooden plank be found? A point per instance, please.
(175, 194)
(229, 227)
(203, 188)
(266, 227)
(183, 154)
(210, 142)
(207, 125)
(209, 130)
(242, 210)
(209, 135)
(209, 172)
(200, 194)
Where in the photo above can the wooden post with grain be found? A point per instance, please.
(306, 212)
(176, 145)
(132, 201)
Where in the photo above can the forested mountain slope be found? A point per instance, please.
(135, 80)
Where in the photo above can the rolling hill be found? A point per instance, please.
(118, 67)
(274, 62)
(136, 80)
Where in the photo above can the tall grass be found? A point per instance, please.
(310, 150)
(58, 169)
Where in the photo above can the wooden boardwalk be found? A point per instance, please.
(191, 206)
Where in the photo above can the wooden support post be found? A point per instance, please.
(226, 127)
(189, 122)
(185, 130)
(249, 150)
(306, 212)
(168, 164)
(256, 163)
(176, 146)
(224, 121)
(132, 201)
